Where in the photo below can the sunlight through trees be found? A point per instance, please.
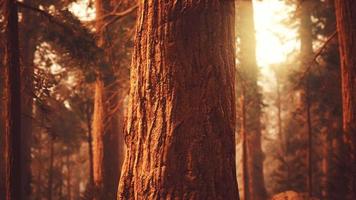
(151, 99)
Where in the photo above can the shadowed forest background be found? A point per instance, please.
(151, 99)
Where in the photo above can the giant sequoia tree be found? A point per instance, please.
(346, 26)
(181, 115)
(12, 111)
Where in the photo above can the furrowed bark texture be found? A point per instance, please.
(346, 26)
(12, 111)
(181, 114)
(252, 98)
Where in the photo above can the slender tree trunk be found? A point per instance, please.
(253, 101)
(180, 124)
(13, 173)
(76, 186)
(245, 174)
(281, 136)
(346, 26)
(88, 114)
(105, 121)
(39, 175)
(98, 140)
(69, 178)
(61, 179)
(310, 141)
(306, 38)
(333, 169)
(28, 46)
(326, 167)
(51, 168)
(105, 145)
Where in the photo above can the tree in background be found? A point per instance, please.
(88, 56)
(108, 142)
(184, 56)
(12, 110)
(320, 72)
(51, 33)
(306, 53)
(105, 129)
(251, 102)
(28, 41)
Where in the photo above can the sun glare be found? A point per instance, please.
(274, 39)
(82, 10)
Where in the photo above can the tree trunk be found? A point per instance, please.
(60, 178)
(13, 173)
(245, 175)
(105, 144)
(310, 140)
(253, 101)
(51, 168)
(98, 140)
(39, 176)
(28, 46)
(105, 121)
(346, 26)
(282, 137)
(2, 123)
(69, 178)
(306, 54)
(181, 114)
(88, 114)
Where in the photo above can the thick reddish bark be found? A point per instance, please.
(13, 174)
(346, 26)
(252, 98)
(181, 114)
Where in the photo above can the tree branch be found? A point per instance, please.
(118, 16)
(315, 57)
(43, 13)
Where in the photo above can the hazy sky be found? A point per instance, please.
(269, 15)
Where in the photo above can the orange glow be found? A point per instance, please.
(270, 31)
